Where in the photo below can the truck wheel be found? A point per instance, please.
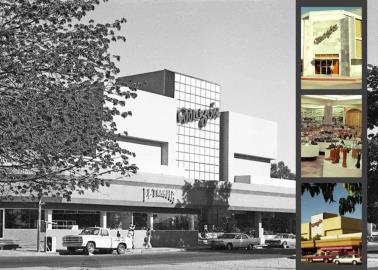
(250, 246)
(71, 250)
(90, 248)
(229, 246)
(121, 249)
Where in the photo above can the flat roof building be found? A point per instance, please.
(197, 166)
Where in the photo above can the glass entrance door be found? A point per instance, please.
(326, 66)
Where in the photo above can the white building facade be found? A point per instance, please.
(331, 43)
(197, 166)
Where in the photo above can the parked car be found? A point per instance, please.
(234, 240)
(284, 240)
(95, 238)
(320, 257)
(347, 259)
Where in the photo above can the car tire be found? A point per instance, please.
(284, 245)
(337, 262)
(90, 248)
(250, 247)
(310, 260)
(229, 246)
(354, 262)
(121, 249)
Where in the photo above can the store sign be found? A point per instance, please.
(151, 193)
(202, 116)
(327, 34)
(317, 223)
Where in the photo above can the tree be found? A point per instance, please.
(346, 204)
(372, 122)
(280, 170)
(58, 99)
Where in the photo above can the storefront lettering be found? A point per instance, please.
(167, 194)
(317, 223)
(202, 116)
(327, 34)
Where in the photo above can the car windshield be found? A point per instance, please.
(227, 236)
(90, 231)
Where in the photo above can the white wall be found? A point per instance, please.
(153, 118)
(254, 137)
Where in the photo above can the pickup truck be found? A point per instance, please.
(320, 257)
(95, 238)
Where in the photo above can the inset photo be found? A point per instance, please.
(331, 129)
(331, 48)
(331, 223)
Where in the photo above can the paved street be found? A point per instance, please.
(206, 259)
(330, 85)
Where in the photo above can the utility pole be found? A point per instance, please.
(40, 203)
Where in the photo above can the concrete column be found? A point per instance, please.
(259, 227)
(48, 219)
(328, 114)
(150, 220)
(191, 222)
(103, 219)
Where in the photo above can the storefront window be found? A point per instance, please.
(66, 219)
(174, 221)
(118, 220)
(21, 218)
(140, 221)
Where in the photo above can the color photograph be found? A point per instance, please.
(331, 224)
(331, 140)
(331, 47)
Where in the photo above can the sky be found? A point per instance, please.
(228, 42)
(316, 205)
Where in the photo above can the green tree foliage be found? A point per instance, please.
(346, 204)
(58, 99)
(280, 170)
(372, 123)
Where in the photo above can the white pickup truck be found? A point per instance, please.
(95, 238)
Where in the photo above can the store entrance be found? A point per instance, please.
(327, 66)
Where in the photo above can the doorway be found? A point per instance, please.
(327, 66)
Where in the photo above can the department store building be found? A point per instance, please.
(198, 167)
(331, 43)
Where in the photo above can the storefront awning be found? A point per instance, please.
(337, 248)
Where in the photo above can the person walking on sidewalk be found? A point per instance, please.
(148, 238)
(131, 233)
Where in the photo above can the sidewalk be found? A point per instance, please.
(20, 252)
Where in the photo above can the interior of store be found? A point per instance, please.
(331, 127)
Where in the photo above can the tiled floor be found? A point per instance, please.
(313, 168)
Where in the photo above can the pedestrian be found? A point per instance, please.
(148, 238)
(131, 233)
